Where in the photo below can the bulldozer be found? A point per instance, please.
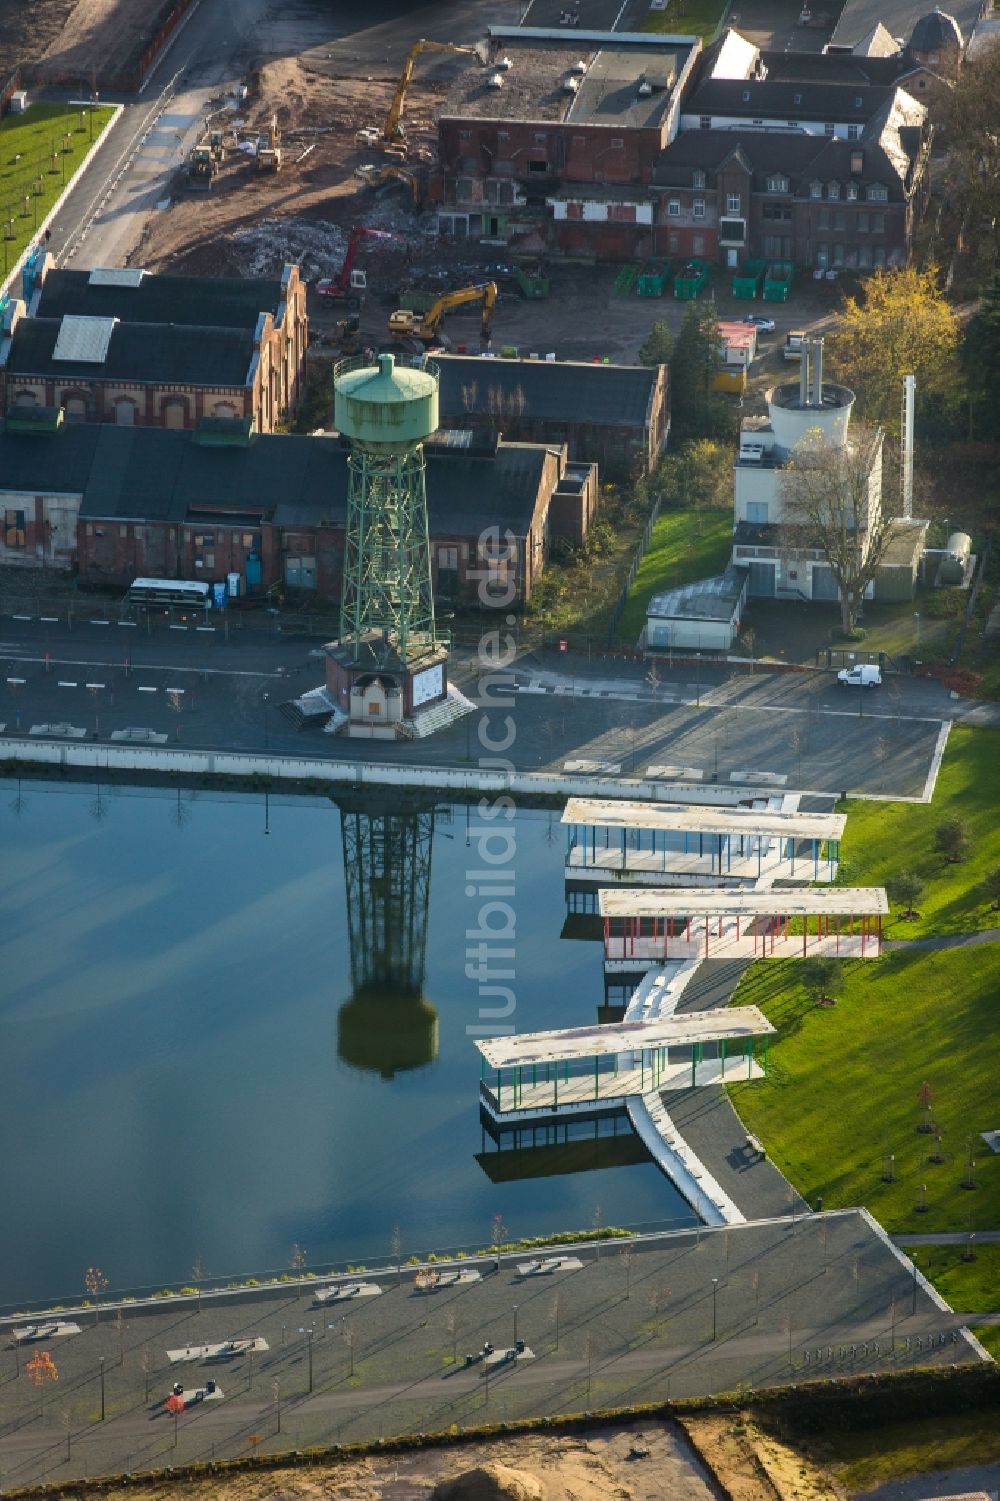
(406, 324)
(269, 148)
(202, 167)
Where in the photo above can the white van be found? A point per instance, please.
(863, 675)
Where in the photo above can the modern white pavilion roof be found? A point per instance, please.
(682, 818)
(722, 901)
(534, 1048)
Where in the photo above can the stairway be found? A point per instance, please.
(438, 717)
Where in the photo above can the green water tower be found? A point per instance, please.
(387, 411)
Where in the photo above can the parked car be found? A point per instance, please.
(863, 675)
(763, 325)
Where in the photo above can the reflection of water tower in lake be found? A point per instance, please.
(388, 662)
(387, 1026)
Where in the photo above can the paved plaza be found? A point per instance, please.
(687, 1314)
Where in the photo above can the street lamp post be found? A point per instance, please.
(102, 1388)
(265, 698)
(916, 617)
(310, 1349)
(515, 1323)
(715, 1308)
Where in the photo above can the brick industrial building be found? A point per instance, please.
(591, 109)
(144, 350)
(630, 146)
(616, 416)
(116, 503)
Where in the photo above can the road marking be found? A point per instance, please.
(49, 619)
(175, 690)
(132, 623)
(66, 685)
(147, 690)
(100, 622)
(209, 628)
(95, 685)
(22, 617)
(178, 627)
(16, 682)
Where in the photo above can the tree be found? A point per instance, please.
(658, 345)
(980, 358)
(499, 1235)
(699, 476)
(819, 976)
(96, 1283)
(925, 1099)
(906, 888)
(297, 1256)
(951, 837)
(697, 411)
(831, 502)
(970, 123)
(40, 1370)
(992, 884)
(900, 324)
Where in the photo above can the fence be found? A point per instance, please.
(637, 557)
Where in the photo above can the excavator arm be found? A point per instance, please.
(403, 322)
(393, 127)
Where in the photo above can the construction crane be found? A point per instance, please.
(404, 323)
(269, 148)
(393, 129)
(374, 177)
(347, 285)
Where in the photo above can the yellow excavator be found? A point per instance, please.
(376, 176)
(393, 129)
(269, 148)
(407, 324)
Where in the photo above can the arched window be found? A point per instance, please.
(124, 411)
(173, 411)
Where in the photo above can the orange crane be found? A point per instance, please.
(393, 129)
(405, 323)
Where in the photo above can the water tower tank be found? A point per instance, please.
(791, 418)
(386, 406)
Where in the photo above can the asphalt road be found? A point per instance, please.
(102, 677)
(689, 1314)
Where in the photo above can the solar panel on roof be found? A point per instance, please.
(84, 339)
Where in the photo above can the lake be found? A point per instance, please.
(205, 1060)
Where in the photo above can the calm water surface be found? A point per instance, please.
(190, 1069)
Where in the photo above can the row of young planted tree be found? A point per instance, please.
(900, 322)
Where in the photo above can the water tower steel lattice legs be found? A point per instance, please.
(387, 588)
(389, 662)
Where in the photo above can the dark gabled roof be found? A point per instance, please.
(786, 99)
(832, 68)
(217, 301)
(151, 354)
(162, 474)
(546, 391)
(801, 158)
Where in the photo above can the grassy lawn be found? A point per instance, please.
(686, 545)
(864, 1458)
(842, 1091)
(969, 1286)
(882, 838)
(687, 18)
(28, 144)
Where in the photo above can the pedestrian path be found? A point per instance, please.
(944, 941)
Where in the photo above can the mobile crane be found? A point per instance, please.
(404, 323)
(348, 284)
(393, 130)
